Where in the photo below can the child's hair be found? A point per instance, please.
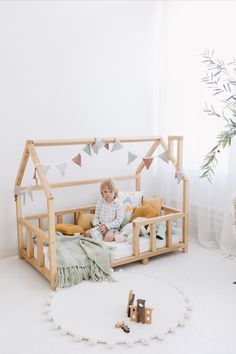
(110, 184)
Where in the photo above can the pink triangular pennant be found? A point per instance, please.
(77, 160)
(147, 161)
(106, 146)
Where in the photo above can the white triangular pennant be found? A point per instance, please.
(179, 175)
(131, 157)
(30, 193)
(45, 168)
(164, 156)
(62, 168)
(117, 145)
(97, 145)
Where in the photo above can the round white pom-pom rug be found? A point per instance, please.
(89, 311)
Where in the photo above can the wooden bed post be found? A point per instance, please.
(18, 198)
(52, 243)
(186, 211)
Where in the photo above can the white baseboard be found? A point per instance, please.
(8, 252)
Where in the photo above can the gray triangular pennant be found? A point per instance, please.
(87, 149)
(45, 168)
(164, 156)
(131, 157)
(62, 168)
(30, 192)
(117, 145)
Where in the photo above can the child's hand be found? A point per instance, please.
(103, 229)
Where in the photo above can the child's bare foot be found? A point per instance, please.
(109, 237)
(87, 233)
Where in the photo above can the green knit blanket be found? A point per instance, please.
(80, 258)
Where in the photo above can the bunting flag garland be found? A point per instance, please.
(30, 193)
(131, 157)
(45, 168)
(117, 145)
(147, 161)
(179, 175)
(17, 190)
(62, 168)
(97, 145)
(35, 176)
(87, 149)
(164, 156)
(77, 160)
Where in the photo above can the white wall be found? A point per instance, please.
(70, 70)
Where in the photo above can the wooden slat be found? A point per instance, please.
(168, 234)
(186, 210)
(79, 183)
(130, 259)
(153, 237)
(158, 219)
(59, 219)
(19, 226)
(35, 230)
(170, 209)
(136, 231)
(52, 243)
(23, 163)
(92, 141)
(179, 161)
(61, 212)
(40, 171)
(30, 244)
(42, 225)
(40, 253)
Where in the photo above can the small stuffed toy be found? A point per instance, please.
(126, 234)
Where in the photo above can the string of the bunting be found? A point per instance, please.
(95, 147)
(28, 191)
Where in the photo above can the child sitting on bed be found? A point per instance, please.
(109, 213)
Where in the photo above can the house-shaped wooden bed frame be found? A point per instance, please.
(38, 230)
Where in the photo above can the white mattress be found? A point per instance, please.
(125, 249)
(122, 249)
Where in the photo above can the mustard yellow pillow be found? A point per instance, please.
(69, 229)
(85, 220)
(145, 211)
(155, 203)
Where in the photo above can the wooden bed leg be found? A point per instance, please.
(145, 261)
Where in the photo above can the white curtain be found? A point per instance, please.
(188, 29)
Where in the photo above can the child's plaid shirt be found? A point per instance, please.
(111, 214)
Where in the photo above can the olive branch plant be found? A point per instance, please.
(220, 78)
